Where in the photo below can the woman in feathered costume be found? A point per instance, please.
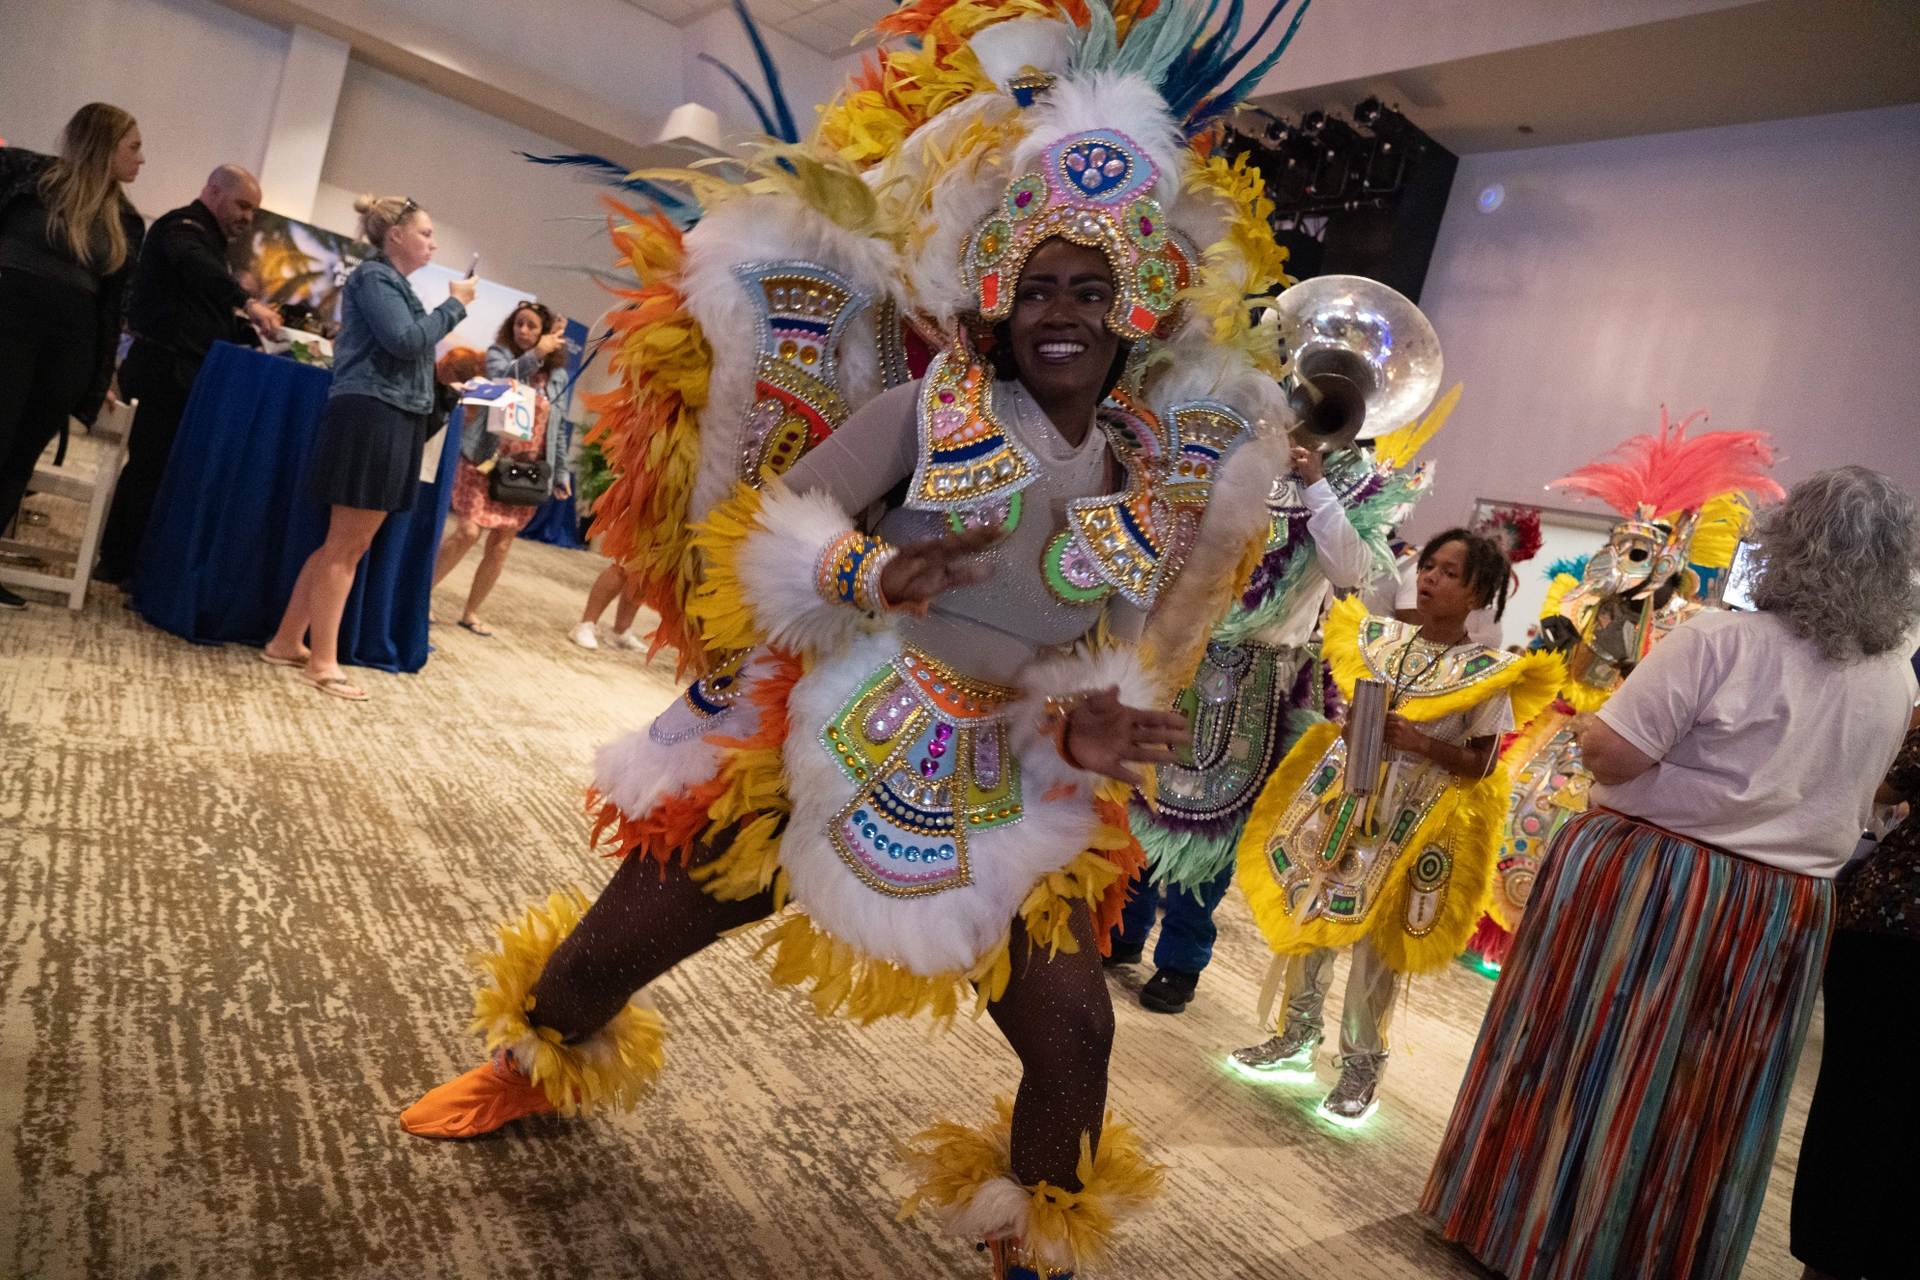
(926, 613)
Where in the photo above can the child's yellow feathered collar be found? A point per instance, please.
(1357, 644)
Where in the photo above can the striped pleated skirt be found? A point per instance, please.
(1621, 1109)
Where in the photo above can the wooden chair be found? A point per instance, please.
(91, 487)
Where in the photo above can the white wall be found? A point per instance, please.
(532, 226)
(1769, 273)
(200, 78)
(1348, 39)
(807, 78)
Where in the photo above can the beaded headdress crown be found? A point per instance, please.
(1094, 189)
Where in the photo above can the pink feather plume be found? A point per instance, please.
(1670, 472)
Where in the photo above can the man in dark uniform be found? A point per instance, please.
(184, 300)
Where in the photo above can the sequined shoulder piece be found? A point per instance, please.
(1456, 669)
(967, 457)
(802, 309)
(1135, 540)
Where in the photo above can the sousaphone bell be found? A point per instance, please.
(1361, 360)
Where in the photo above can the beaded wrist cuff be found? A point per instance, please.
(849, 571)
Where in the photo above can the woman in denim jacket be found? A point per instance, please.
(531, 349)
(366, 459)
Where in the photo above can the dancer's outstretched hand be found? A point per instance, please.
(921, 571)
(1103, 733)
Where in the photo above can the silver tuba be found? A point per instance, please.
(1361, 360)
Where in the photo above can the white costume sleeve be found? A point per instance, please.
(1343, 555)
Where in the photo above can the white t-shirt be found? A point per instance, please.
(1387, 595)
(1764, 748)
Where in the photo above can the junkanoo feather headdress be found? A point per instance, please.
(843, 263)
(1683, 497)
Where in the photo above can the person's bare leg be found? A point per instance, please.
(629, 605)
(601, 593)
(350, 532)
(461, 534)
(492, 561)
(1058, 1016)
(289, 640)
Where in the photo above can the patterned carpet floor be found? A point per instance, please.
(233, 916)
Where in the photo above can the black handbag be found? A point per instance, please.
(520, 482)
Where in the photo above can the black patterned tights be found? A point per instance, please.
(1056, 1012)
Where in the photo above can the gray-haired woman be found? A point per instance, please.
(1621, 1110)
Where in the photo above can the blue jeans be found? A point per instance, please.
(1187, 933)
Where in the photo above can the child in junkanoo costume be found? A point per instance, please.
(912, 758)
(1260, 687)
(1402, 875)
(1684, 500)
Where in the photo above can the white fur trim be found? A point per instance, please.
(1005, 49)
(636, 773)
(942, 932)
(1000, 1208)
(768, 228)
(1192, 604)
(943, 201)
(779, 564)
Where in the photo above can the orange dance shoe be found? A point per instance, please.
(490, 1095)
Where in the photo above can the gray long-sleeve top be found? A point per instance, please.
(991, 630)
(385, 347)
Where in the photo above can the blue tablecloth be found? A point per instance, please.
(232, 523)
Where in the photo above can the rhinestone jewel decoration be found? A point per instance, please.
(1092, 188)
(802, 309)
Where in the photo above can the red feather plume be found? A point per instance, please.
(1670, 472)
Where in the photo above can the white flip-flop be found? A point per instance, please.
(335, 687)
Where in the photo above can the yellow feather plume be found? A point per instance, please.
(1397, 448)
(1066, 1230)
(615, 1065)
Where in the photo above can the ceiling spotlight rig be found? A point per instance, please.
(1324, 164)
(1359, 195)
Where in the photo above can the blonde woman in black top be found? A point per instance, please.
(68, 243)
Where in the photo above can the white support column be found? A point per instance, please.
(302, 123)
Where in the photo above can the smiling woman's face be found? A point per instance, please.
(1058, 326)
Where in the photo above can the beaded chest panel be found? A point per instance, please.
(928, 753)
(967, 457)
(1330, 853)
(802, 309)
(1236, 706)
(1423, 670)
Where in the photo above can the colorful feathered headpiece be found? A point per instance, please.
(1669, 472)
(1661, 484)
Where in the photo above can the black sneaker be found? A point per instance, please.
(8, 600)
(1122, 954)
(1169, 990)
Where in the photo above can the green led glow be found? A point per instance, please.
(1347, 1122)
(1479, 964)
(1274, 1075)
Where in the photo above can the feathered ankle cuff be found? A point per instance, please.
(613, 1066)
(964, 1177)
